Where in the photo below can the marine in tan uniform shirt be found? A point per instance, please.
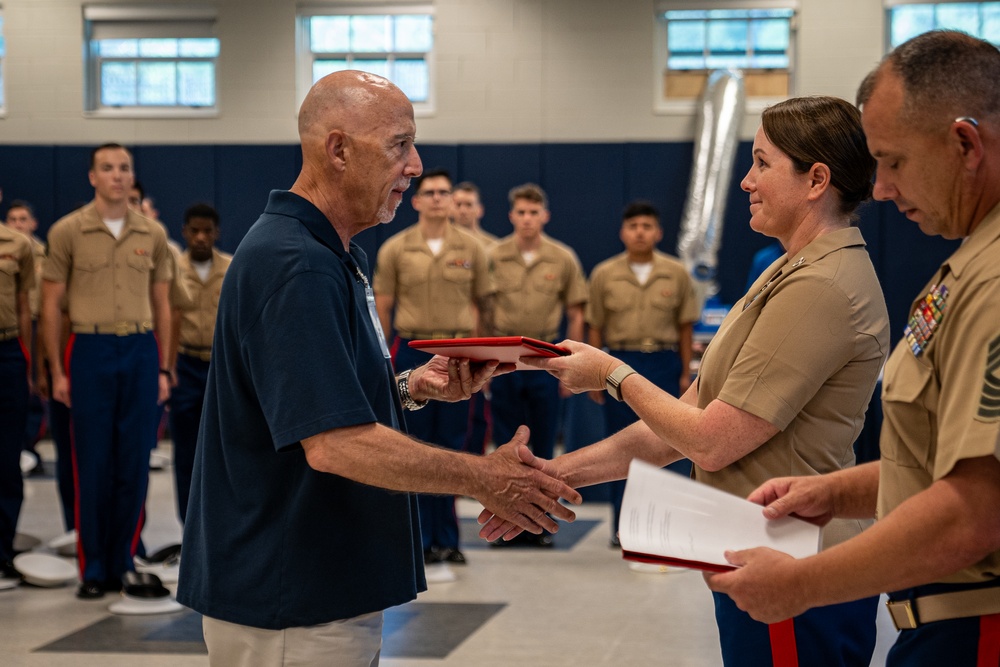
(538, 280)
(423, 293)
(642, 307)
(643, 317)
(21, 218)
(432, 280)
(929, 115)
(195, 321)
(202, 268)
(113, 267)
(807, 363)
(17, 277)
(941, 392)
(533, 296)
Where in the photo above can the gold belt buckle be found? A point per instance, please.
(123, 328)
(648, 345)
(901, 612)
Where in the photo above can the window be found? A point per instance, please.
(754, 37)
(159, 60)
(3, 61)
(392, 42)
(906, 20)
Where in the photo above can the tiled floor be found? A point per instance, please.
(575, 605)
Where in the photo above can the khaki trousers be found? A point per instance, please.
(352, 642)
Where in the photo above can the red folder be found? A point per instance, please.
(678, 562)
(507, 349)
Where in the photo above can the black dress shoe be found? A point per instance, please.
(455, 556)
(431, 556)
(8, 571)
(90, 590)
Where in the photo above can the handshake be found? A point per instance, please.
(521, 492)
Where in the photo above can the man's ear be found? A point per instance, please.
(336, 149)
(970, 144)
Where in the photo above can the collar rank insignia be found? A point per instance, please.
(925, 319)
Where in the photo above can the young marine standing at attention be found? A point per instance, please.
(17, 277)
(432, 280)
(113, 267)
(642, 308)
(538, 279)
(202, 267)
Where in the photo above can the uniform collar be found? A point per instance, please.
(218, 262)
(823, 246)
(660, 262)
(8, 234)
(985, 234)
(507, 247)
(92, 221)
(414, 239)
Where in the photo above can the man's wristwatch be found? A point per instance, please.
(403, 383)
(613, 383)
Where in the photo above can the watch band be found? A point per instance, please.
(613, 383)
(403, 384)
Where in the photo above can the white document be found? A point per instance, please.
(668, 518)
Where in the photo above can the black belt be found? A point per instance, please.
(116, 328)
(9, 334)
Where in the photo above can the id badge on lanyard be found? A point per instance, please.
(373, 313)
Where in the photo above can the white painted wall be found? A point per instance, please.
(519, 71)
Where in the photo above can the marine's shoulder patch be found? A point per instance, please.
(989, 401)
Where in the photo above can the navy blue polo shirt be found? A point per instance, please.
(269, 542)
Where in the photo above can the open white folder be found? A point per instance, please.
(671, 519)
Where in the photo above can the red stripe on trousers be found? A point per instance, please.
(783, 650)
(81, 560)
(989, 641)
(138, 530)
(27, 355)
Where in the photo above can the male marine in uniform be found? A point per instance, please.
(113, 267)
(201, 269)
(931, 114)
(538, 279)
(642, 308)
(434, 278)
(17, 277)
(21, 218)
(467, 214)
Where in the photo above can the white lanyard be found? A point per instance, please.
(373, 313)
